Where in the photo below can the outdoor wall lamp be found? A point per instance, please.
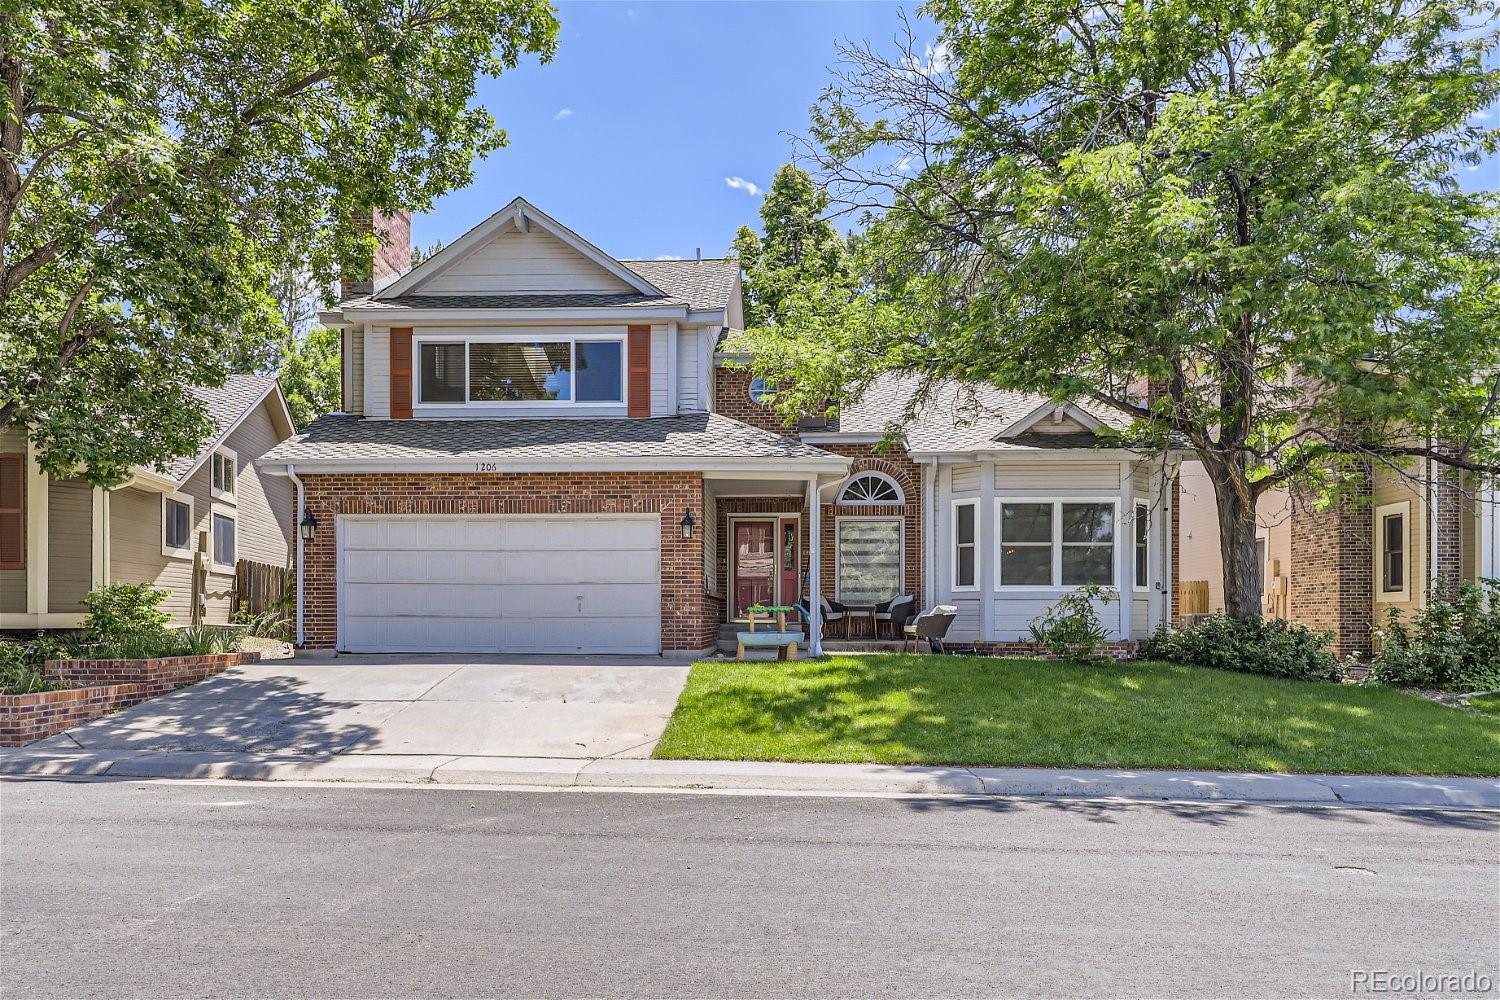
(308, 525)
(688, 523)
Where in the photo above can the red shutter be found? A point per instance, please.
(401, 372)
(638, 385)
(12, 511)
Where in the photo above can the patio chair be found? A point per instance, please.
(933, 626)
(895, 613)
(833, 611)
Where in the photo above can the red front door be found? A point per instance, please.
(755, 564)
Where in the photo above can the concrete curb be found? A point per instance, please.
(768, 777)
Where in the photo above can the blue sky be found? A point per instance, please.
(634, 132)
(629, 134)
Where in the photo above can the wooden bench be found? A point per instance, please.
(785, 643)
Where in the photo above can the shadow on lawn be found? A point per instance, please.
(1214, 814)
(981, 711)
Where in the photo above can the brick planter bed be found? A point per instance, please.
(101, 687)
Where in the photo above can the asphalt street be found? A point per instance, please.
(172, 889)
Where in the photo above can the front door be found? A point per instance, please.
(755, 564)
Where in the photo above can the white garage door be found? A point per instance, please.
(563, 584)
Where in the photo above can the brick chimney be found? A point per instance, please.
(392, 257)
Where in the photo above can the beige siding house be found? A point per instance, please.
(60, 538)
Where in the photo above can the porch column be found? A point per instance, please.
(814, 569)
(36, 534)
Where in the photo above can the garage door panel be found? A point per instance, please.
(604, 635)
(575, 600)
(593, 567)
(497, 584)
(568, 534)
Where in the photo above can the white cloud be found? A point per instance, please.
(668, 256)
(563, 113)
(903, 165)
(740, 184)
(936, 60)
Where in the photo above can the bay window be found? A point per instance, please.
(510, 369)
(869, 559)
(1055, 543)
(1142, 546)
(965, 544)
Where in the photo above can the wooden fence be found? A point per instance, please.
(1194, 597)
(258, 586)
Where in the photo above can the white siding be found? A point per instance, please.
(377, 358)
(513, 261)
(660, 347)
(1077, 476)
(70, 544)
(710, 528)
(690, 374)
(354, 370)
(965, 479)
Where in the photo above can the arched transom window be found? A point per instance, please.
(872, 488)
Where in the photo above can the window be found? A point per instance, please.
(222, 531)
(1142, 546)
(872, 488)
(1056, 543)
(501, 370)
(222, 463)
(761, 392)
(177, 525)
(869, 559)
(1391, 555)
(965, 544)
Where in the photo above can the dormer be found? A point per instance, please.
(522, 317)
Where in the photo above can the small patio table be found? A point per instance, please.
(779, 610)
(864, 611)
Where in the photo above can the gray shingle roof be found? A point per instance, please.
(694, 435)
(226, 405)
(956, 416)
(526, 300)
(705, 284)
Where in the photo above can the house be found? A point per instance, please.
(1345, 570)
(543, 449)
(61, 537)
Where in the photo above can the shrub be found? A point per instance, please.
(1268, 646)
(126, 613)
(1451, 644)
(1070, 627)
(201, 640)
(21, 668)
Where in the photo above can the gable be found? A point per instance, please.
(512, 261)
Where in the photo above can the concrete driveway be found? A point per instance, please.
(536, 706)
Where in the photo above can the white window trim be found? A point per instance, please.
(767, 392)
(1142, 509)
(871, 473)
(977, 544)
(1056, 586)
(228, 496)
(838, 588)
(543, 336)
(171, 551)
(222, 511)
(1402, 508)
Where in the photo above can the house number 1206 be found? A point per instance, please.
(486, 466)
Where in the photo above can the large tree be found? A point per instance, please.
(1250, 205)
(796, 248)
(161, 161)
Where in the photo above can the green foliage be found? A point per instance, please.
(21, 667)
(202, 640)
(1234, 199)
(169, 158)
(1269, 646)
(124, 613)
(311, 376)
(1070, 628)
(1451, 644)
(799, 247)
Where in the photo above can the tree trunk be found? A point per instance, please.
(1237, 548)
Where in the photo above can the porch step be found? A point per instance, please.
(862, 645)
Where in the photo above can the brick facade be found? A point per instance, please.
(1331, 575)
(732, 399)
(688, 616)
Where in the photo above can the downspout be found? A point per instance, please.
(291, 472)
(928, 597)
(1169, 536)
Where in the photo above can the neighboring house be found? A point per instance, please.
(543, 451)
(61, 538)
(1346, 569)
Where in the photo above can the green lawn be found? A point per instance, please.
(984, 711)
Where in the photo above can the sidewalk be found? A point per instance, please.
(751, 776)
